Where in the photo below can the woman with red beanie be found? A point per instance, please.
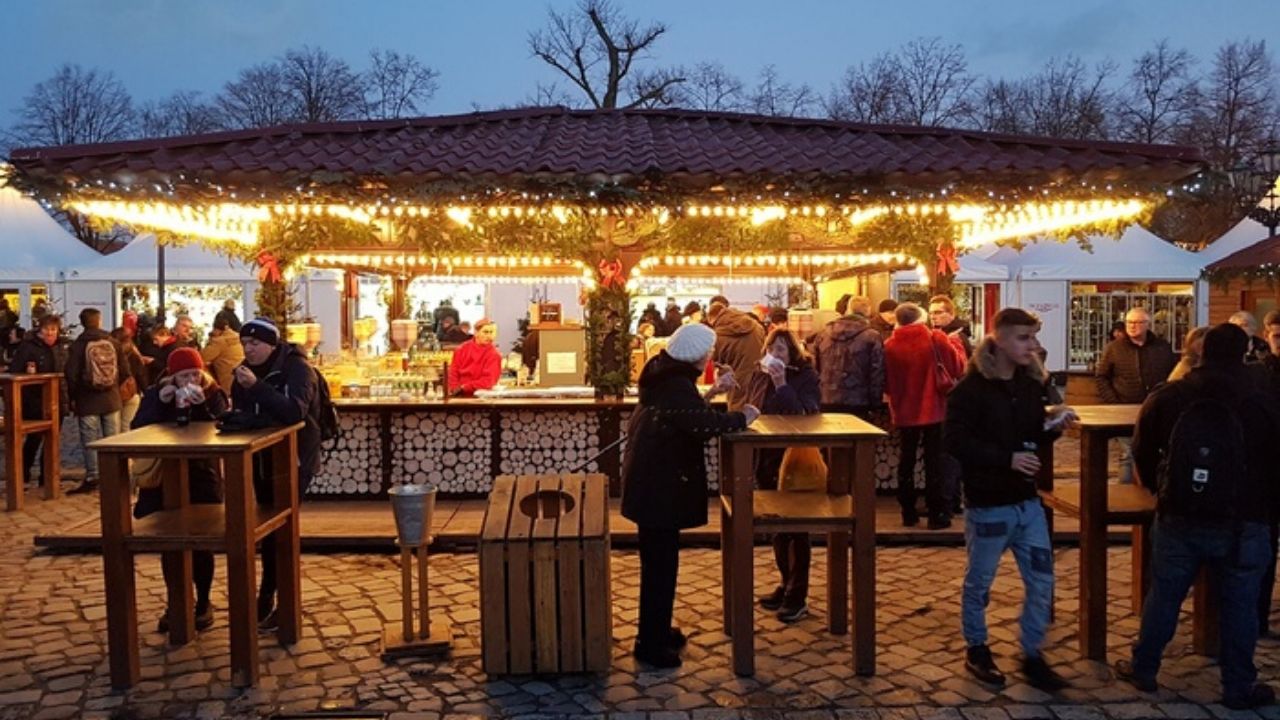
(185, 390)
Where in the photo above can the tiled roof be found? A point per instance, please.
(688, 149)
(1263, 252)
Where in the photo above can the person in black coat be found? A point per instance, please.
(785, 384)
(185, 384)
(41, 350)
(664, 476)
(278, 385)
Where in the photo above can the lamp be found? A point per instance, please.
(1255, 185)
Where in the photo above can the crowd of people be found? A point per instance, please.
(143, 373)
(977, 411)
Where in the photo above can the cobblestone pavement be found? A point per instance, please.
(53, 643)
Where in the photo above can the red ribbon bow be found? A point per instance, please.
(611, 273)
(268, 268)
(947, 262)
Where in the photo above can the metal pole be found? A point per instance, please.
(160, 281)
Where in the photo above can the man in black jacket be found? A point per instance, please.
(996, 422)
(1267, 373)
(38, 352)
(95, 398)
(1130, 368)
(1229, 537)
(278, 384)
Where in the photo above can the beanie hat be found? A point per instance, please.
(261, 329)
(184, 358)
(691, 343)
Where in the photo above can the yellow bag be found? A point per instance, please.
(803, 470)
(145, 472)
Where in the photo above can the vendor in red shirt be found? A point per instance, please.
(476, 363)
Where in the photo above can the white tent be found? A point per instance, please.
(1137, 255)
(136, 262)
(1246, 232)
(34, 246)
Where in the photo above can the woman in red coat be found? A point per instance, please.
(476, 364)
(918, 405)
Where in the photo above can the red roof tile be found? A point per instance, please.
(693, 150)
(1263, 252)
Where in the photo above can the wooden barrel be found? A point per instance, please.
(545, 600)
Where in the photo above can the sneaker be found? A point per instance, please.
(677, 640)
(980, 664)
(1258, 696)
(1041, 676)
(773, 600)
(1124, 671)
(269, 624)
(204, 618)
(657, 657)
(939, 522)
(792, 614)
(83, 488)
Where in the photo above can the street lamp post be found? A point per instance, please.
(1256, 186)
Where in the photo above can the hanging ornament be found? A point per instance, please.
(611, 274)
(268, 268)
(948, 264)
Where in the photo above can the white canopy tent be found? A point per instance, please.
(1245, 233)
(37, 251)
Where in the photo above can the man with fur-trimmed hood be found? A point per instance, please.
(996, 422)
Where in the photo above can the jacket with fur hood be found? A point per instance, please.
(988, 420)
(739, 344)
(664, 469)
(849, 357)
(910, 375)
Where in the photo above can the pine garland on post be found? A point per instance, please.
(609, 340)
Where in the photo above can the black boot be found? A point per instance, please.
(978, 661)
(1041, 676)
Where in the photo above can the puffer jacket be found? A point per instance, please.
(739, 344)
(285, 394)
(849, 356)
(664, 469)
(910, 375)
(1128, 373)
(988, 419)
(221, 355)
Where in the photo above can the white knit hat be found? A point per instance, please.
(691, 342)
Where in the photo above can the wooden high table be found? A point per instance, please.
(182, 527)
(846, 510)
(16, 430)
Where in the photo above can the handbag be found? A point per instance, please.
(144, 473)
(942, 378)
(802, 470)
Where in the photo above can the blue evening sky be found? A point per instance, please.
(158, 46)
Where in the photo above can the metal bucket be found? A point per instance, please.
(412, 506)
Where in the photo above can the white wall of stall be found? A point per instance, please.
(508, 303)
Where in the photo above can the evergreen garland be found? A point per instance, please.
(600, 301)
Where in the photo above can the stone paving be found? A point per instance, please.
(53, 645)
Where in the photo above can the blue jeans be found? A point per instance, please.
(1237, 560)
(988, 532)
(95, 427)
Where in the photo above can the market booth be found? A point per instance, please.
(584, 212)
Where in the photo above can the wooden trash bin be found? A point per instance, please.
(545, 601)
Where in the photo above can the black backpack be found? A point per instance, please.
(1204, 464)
(328, 416)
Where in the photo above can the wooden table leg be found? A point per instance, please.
(242, 609)
(14, 481)
(1206, 604)
(284, 465)
(1093, 545)
(1044, 483)
(838, 483)
(1140, 544)
(726, 537)
(51, 465)
(177, 564)
(864, 558)
(743, 541)
(117, 565)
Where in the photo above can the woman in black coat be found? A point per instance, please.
(664, 476)
(785, 384)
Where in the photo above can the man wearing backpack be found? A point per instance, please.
(1203, 444)
(278, 385)
(96, 367)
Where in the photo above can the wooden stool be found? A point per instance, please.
(16, 430)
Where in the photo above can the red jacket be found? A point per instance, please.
(909, 378)
(474, 367)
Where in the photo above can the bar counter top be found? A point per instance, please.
(372, 404)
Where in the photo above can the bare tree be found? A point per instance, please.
(1000, 106)
(773, 96)
(322, 87)
(397, 85)
(1236, 105)
(711, 87)
(934, 83)
(257, 97)
(596, 47)
(866, 92)
(1067, 99)
(182, 113)
(1156, 102)
(75, 106)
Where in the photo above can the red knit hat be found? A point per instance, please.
(184, 358)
